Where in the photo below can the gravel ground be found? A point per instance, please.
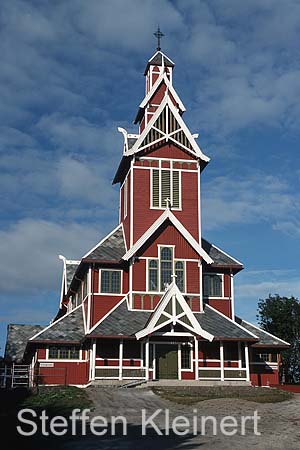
(279, 423)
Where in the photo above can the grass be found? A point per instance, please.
(58, 400)
(190, 395)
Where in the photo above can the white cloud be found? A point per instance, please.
(249, 198)
(84, 183)
(29, 253)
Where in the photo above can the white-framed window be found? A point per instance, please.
(213, 285)
(161, 269)
(165, 184)
(110, 281)
(63, 352)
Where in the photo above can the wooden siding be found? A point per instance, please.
(101, 305)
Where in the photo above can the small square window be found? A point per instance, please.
(111, 281)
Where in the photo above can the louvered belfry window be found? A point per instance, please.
(165, 185)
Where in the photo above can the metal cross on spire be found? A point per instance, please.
(158, 34)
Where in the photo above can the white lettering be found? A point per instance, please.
(58, 422)
(150, 422)
(229, 422)
(27, 422)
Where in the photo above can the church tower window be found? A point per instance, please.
(165, 185)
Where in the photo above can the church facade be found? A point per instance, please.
(153, 299)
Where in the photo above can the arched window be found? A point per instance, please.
(166, 267)
(160, 271)
(179, 272)
(153, 275)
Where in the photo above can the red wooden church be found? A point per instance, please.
(153, 299)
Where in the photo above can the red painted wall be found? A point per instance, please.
(64, 373)
(144, 216)
(222, 305)
(169, 235)
(259, 376)
(126, 221)
(101, 305)
(139, 275)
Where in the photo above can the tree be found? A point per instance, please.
(281, 316)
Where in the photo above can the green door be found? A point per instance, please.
(166, 361)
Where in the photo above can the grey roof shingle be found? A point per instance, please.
(122, 322)
(111, 249)
(264, 338)
(16, 341)
(219, 257)
(68, 329)
(157, 61)
(70, 269)
(220, 327)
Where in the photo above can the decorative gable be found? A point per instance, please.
(173, 310)
(167, 125)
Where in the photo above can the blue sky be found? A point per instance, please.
(71, 72)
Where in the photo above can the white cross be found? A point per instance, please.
(168, 202)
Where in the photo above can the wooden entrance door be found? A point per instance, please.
(167, 361)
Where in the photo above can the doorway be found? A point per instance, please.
(167, 361)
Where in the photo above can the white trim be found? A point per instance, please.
(131, 205)
(240, 354)
(247, 361)
(84, 317)
(125, 198)
(173, 292)
(113, 294)
(54, 323)
(89, 300)
(171, 170)
(266, 332)
(197, 152)
(232, 321)
(165, 56)
(169, 86)
(226, 254)
(232, 296)
(167, 214)
(106, 315)
(179, 259)
(171, 160)
(120, 358)
(222, 360)
(196, 357)
(179, 361)
(221, 297)
(102, 240)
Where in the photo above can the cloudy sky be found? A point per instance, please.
(72, 71)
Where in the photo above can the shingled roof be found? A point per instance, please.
(220, 326)
(111, 248)
(122, 322)
(70, 328)
(219, 257)
(70, 271)
(265, 339)
(157, 60)
(17, 337)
